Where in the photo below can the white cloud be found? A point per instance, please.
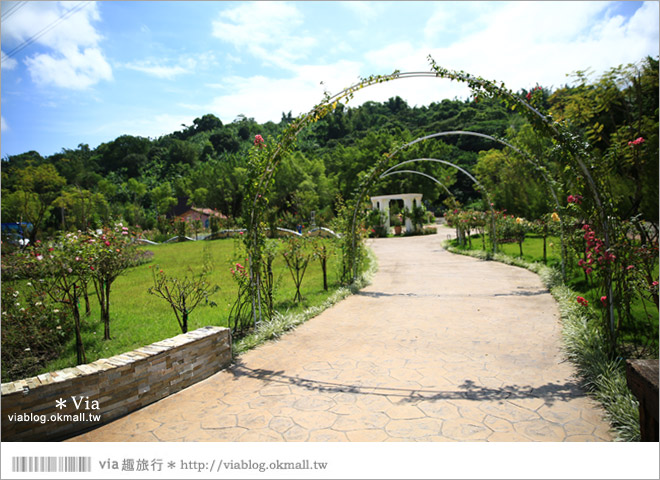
(3, 124)
(8, 63)
(520, 43)
(152, 126)
(458, 18)
(73, 58)
(162, 71)
(364, 11)
(269, 31)
(75, 69)
(266, 98)
(523, 43)
(166, 68)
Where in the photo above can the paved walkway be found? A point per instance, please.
(440, 347)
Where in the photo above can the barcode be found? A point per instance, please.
(51, 464)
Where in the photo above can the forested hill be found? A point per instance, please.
(136, 179)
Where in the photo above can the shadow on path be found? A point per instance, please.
(521, 293)
(470, 390)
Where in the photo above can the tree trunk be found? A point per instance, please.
(80, 349)
(325, 273)
(88, 308)
(105, 311)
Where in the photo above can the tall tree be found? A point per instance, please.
(36, 189)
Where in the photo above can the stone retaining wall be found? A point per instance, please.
(110, 388)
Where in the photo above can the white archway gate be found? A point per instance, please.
(410, 200)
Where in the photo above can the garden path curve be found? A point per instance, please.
(440, 347)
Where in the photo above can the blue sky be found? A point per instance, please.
(145, 68)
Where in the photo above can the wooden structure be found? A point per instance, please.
(642, 379)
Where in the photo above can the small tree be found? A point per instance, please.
(196, 226)
(214, 224)
(240, 314)
(520, 229)
(417, 217)
(58, 271)
(184, 294)
(546, 226)
(109, 255)
(180, 227)
(163, 225)
(321, 252)
(296, 259)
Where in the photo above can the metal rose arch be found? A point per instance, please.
(430, 177)
(549, 181)
(265, 159)
(392, 170)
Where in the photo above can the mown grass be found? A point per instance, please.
(138, 318)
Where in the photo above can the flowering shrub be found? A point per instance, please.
(58, 270)
(597, 256)
(240, 314)
(547, 225)
(34, 329)
(510, 229)
(533, 93)
(465, 221)
(376, 223)
(109, 252)
(396, 220)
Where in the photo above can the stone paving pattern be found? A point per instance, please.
(440, 347)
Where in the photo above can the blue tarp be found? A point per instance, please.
(21, 228)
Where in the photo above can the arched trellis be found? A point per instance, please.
(263, 169)
(431, 177)
(526, 156)
(436, 160)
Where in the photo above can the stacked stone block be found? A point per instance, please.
(110, 388)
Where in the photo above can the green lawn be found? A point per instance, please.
(138, 318)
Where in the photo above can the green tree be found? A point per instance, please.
(200, 196)
(82, 209)
(163, 198)
(207, 123)
(124, 155)
(224, 142)
(36, 190)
